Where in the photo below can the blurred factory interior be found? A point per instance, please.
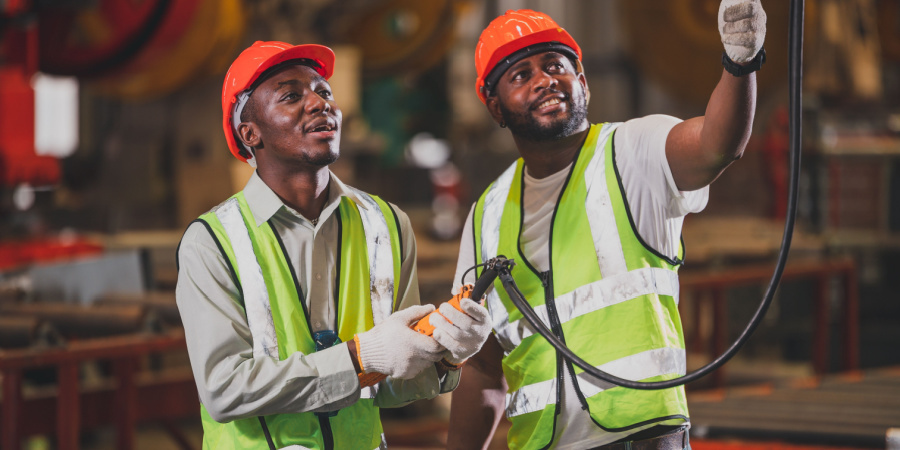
(112, 144)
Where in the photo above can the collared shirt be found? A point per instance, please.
(232, 383)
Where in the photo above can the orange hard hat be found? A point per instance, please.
(252, 63)
(513, 36)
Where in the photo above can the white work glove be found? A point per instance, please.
(394, 349)
(467, 332)
(742, 25)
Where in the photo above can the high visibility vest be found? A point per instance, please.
(608, 295)
(368, 271)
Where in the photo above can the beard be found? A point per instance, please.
(525, 125)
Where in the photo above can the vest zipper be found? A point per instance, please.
(266, 433)
(547, 283)
(324, 422)
(577, 389)
(556, 327)
(549, 298)
(327, 435)
(293, 272)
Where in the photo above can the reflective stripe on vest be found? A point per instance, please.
(368, 392)
(256, 296)
(494, 200)
(593, 297)
(600, 213)
(651, 363)
(381, 266)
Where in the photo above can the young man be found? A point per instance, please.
(592, 214)
(294, 288)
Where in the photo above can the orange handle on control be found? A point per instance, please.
(423, 326)
(370, 379)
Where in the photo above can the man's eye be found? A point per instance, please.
(290, 96)
(325, 93)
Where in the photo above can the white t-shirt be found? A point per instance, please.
(658, 209)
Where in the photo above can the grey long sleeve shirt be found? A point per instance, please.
(232, 384)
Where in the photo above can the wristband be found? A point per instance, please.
(739, 70)
(362, 369)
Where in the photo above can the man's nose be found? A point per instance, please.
(544, 80)
(315, 104)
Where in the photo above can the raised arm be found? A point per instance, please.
(700, 149)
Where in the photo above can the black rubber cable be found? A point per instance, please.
(795, 56)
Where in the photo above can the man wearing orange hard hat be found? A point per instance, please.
(592, 214)
(297, 288)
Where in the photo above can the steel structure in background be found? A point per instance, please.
(132, 397)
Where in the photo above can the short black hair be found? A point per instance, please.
(248, 114)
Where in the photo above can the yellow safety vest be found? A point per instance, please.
(275, 314)
(608, 295)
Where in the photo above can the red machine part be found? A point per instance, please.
(18, 161)
(15, 254)
(112, 37)
(13, 7)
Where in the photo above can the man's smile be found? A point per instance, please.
(550, 103)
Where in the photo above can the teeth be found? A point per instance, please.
(552, 101)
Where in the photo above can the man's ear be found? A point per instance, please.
(493, 106)
(587, 91)
(249, 134)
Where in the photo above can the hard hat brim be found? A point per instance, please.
(318, 53)
(551, 35)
